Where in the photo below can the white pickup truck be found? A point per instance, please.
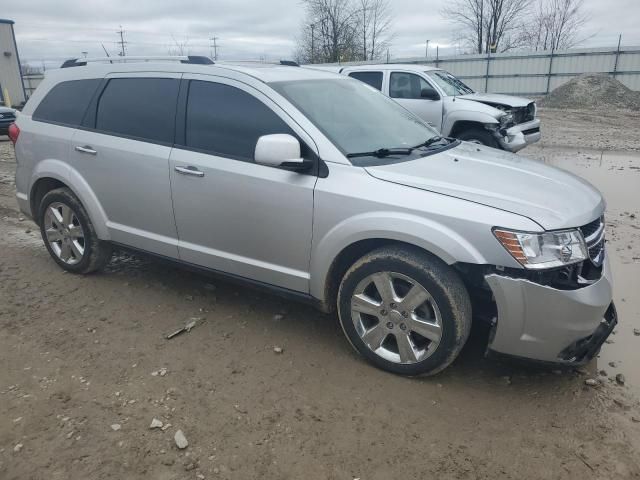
(453, 108)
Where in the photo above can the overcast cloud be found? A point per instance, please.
(53, 30)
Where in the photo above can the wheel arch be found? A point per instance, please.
(459, 121)
(335, 253)
(52, 174)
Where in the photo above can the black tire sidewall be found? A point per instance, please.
(66, 197)
(480, 135)
(450, 341)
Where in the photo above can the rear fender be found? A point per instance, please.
(62, 172)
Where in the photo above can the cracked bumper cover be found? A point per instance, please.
(519, 136)
(546, 324)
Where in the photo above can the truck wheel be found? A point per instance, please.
(479, 136)
(69, 235)
(404, 310)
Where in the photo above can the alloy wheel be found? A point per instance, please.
(396, 317)
(64, 233)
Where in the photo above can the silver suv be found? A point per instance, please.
(317, 186)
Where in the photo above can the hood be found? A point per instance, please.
(549, 196)
(497, 99)
(6, 109)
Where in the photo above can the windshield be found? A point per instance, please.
(354, 116)
(448, 83)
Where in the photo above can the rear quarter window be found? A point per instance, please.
(67, 102)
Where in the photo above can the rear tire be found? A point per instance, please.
(69, 235)
(404, 310)
(479, 136)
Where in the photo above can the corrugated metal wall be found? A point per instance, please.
(536, 73)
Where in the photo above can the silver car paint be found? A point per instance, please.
(351, 205)
(429, 203)
(261, 230)
(538, 322)
(484, 175)
(140, 217)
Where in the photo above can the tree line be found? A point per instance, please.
(356, 30)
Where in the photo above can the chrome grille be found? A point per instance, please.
(593, 234)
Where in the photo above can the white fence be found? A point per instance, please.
(536, 73)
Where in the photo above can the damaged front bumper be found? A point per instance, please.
(547, 324)
(519, 136)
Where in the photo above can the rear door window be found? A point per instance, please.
(226, 121)
(66, 103)
(373, 79)
(139, 108)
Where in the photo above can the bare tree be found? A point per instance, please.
(344, 30)
(556, 24)
(179, 47)
(490, 25)
(374, 25)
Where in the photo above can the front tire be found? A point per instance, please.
(69, 235)
(404, 310)
(478, 136)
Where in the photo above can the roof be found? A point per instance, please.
(4, 20)
(264, 72)
(412, 67)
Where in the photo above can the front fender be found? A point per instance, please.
(429, 235)
(51, 168)
(480, 117)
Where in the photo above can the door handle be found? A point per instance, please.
(86, 149)
(189, 171)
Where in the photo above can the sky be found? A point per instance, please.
(50, 31)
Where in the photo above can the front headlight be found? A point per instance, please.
(506, 120)
(544, 250)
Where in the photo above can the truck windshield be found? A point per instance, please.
(448, 83)
(357, 118)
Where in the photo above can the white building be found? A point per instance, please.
(11, 85)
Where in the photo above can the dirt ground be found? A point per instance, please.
(85, 368)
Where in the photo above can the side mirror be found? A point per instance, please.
(429, 94)
(280, 150)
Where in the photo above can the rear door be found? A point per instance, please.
(232, 214)
(122, 152)
(408, 88)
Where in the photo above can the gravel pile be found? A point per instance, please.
(592, 91)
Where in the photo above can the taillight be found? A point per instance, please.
(14, 133)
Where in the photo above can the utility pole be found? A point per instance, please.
(214, 45)
(426, 51)
(313, 27)
(122, 43)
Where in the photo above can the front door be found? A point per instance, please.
(409, 89)
(233, 215)
(122, 154)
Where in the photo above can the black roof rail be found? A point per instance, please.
(190, 59)
(73, 62)
(198, 60)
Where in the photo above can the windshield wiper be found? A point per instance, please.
(383, 152)
(430, 142)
